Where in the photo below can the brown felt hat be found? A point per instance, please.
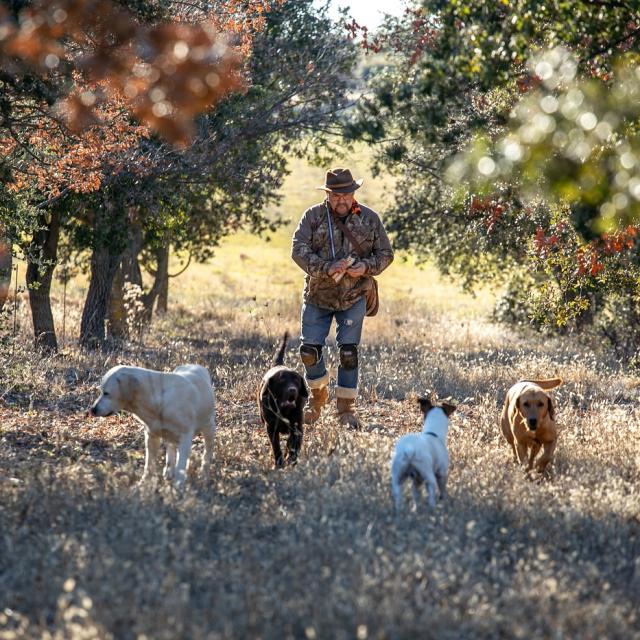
(340, 181)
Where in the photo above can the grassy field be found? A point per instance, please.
(315, 551)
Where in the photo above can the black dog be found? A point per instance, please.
(281, 399)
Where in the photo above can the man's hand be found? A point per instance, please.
(339, 266)
(357, 269)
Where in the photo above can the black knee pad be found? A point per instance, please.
(349, 356)
(310, 354)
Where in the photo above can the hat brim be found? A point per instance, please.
(350, 188)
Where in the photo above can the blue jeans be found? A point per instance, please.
(316, 323)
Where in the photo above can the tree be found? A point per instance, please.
(226, 175)
(6, 265)
(8, 207)
(151, 63)
(236, 165)
(461, 67)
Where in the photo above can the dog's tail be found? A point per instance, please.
(279, 358)
(550, 383)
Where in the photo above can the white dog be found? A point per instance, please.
(423, 457)
(171, 406)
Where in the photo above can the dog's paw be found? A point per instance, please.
(546, 475)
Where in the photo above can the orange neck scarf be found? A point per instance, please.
(355, 208)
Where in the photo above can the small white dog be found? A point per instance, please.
(171, 406)
(423, 457)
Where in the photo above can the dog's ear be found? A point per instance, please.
(516, 404)
(304, 392)
(513, 407)
(128, 385)
(448, 408)
(551, 410)
(425, 405)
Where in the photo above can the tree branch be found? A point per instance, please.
(47, 203)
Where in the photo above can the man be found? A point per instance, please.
(335, 286)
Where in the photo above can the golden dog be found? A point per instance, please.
(528, 421)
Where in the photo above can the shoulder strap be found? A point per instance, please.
(352, 239)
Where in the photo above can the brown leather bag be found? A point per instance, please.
(371, 284)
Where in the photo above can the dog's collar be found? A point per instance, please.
(430, 433)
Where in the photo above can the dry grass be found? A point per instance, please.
(315, 551)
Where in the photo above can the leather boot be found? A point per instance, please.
(317, 400)
(346, 412)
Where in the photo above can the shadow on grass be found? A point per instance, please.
(278, 553)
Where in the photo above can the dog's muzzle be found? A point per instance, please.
(532, 423)
(93, 411)
(291, 394)
(289, 402)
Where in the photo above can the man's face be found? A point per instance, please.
(340, 203)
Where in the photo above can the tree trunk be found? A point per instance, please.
(103, 269)
(128, 271)
(43, 253)
(162, 273)
(105, 259)
(117, 326)
(6, 262)
(163, 294)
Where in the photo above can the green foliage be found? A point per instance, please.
(573, 141)
(19, 219)
(424, 107)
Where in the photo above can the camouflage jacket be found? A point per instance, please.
(311, 251)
